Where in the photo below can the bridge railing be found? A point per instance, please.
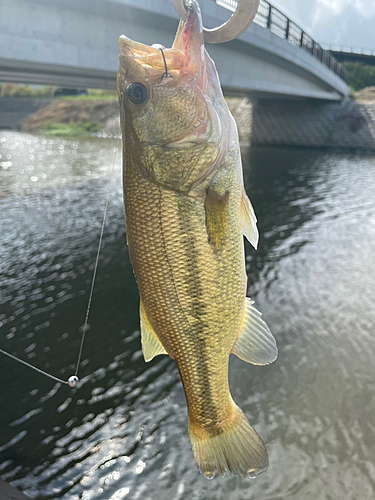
(273, 19)
(349, 50)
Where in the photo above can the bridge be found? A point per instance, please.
(73, 43)
(351, 54)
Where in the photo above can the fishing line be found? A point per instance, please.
(73, 380)
(85, 326)
(34, 367)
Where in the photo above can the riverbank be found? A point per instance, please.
(71, 117)
(14, 110)
(348, 125)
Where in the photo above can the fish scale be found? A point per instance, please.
(186, 213)
(167, 288)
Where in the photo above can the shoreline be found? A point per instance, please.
(347, 126)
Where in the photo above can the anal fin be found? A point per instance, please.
(249, 221)
(255, 343)
(151, 345)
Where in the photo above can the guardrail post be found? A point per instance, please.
(301, 40)
(287, 29)
(269, 18)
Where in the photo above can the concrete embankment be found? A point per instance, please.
(32, 114)
(96, 111)
(13, 110)
(349, 125)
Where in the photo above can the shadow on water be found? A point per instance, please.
(284, 188)
(122, 432)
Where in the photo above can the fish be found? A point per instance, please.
(186, 211)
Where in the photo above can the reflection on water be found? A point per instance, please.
(122, 433)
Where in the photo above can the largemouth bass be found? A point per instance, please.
(186, 214)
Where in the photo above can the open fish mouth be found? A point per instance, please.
(150, 56)
(184, 57)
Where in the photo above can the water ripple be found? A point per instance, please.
(122, 433)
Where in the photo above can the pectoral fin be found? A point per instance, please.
(216, 206)
(255, 344)
(151, 345)
(249, 221)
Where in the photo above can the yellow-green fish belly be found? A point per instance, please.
(192, 290)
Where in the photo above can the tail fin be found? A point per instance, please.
(237, 449)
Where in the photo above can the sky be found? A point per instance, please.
(341, 22)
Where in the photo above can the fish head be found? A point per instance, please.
(175, 121)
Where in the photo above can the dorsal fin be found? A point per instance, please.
(255, 343)
(151, 345)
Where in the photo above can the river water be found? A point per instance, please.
(122, 433)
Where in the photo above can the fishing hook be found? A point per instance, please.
(165, 74)
(161, 48)
(237, 24)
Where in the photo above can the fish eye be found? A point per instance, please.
(137, 93)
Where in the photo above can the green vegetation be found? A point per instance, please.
(12, 90)
(359, 75)
(70, 129)
(92, 95)
(100, 94)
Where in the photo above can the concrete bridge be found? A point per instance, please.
(73, 43)
(351, 54)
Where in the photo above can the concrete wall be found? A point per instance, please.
(313, 124)
(74, 43)
(13, 110)
(349, 125)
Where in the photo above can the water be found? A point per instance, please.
(122, 433)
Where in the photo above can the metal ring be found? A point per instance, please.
(237, 24)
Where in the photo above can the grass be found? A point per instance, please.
(359, 75)
(88, 97)
(352, 92)
(70, 129)
(12, 90)
(92, 95)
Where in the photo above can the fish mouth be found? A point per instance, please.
(185, 55)
(150, 57)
